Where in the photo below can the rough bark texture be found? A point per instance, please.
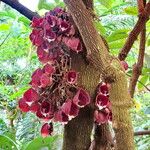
(77, 132)
(112, 72)
(103, 138)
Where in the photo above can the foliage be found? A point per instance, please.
(18, 60)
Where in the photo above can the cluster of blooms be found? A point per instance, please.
(54, 95)
(103, 113)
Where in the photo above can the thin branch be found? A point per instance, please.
(148, 89)
(140, 6)
(88, 3)
(5, 39)
(20, 8)
(146, 132)
(137, 68)
(139, 26)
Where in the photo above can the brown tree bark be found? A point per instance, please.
(77, 133)
(111, 70)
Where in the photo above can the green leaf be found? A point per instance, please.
(131, 11)
(100, 27)
(43, 4)
(143, 80)
(18, 93)
(39, 143)
(116, 44)
(106, 3)
(117, 35)
(4, 27)
(7, 14)
(24, 20)
(57, 1)
(7, 144)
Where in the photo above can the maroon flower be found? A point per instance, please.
(51, 20)
(45, 107)
(45, 80)
(60, 116)
(81, 98)
(101, 101)
(71, 77)
(31, 95)
(35, 82)
(49, 69)
(47, 129)
(34, 107)
(100, 117)
(43, 55)
(70, 109)
(71, 31)
(73, 43)
(45, 117)
(36, 37)
(23, 105)
(50, 35)
(103, 88)
(37, 22)
(64, 26)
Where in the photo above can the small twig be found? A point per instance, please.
(20, 8)
(5, 39)
(140, 6)
(137, 68)
(139, 26)
(146, 132)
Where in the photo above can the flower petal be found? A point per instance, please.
(81, 98)
(31, 95)
(47, 129)
(23, 105)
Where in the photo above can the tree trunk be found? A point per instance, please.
(77, 133)
(111, 70)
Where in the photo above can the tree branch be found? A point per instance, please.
(112, 72)
(137, 68)
(88, 3)
(139, 26)
(146, 132)
(20, 8)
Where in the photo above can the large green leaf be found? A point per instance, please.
(106, 3)
(100, 27)
(7, 144)
(116, 44)
(117, 35)
(131, 11)
(18, 93)
(9, 14)
(43, 4)
(4, 27)
(24, 20)
(40, 143)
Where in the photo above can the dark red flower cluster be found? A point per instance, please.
(54, 95)
(103, 113)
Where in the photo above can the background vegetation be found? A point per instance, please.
(18, 60)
